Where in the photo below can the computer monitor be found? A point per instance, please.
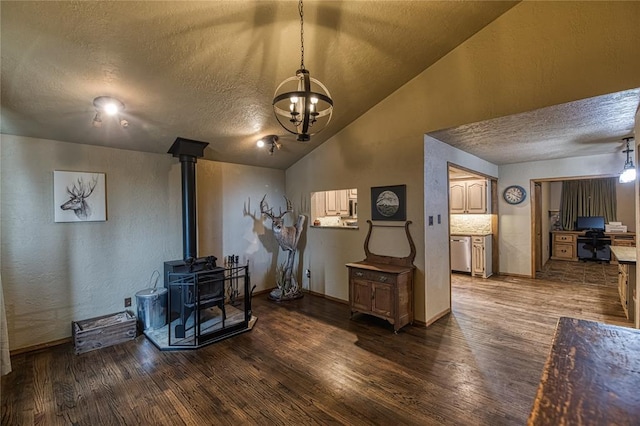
(590, 222)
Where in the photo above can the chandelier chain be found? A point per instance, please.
(300, 9)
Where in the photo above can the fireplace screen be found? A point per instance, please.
(204, 307)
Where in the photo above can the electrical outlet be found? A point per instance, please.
(127, 302)
(308, 273)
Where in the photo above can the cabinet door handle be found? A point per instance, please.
(359, 274)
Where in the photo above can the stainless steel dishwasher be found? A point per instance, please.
(460, 253)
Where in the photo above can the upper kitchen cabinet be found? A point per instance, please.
(469, 197)
(337, 203)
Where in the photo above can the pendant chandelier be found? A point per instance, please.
(629, 170)
(302, 104)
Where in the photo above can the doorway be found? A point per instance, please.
(473, 216)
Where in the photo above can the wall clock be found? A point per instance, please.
(514, 194)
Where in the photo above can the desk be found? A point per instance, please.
(564, 244)
(591, 376)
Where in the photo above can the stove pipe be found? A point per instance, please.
(188, 151)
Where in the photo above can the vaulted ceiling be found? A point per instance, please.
(208, 71)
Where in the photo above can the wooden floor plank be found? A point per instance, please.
(307, 362)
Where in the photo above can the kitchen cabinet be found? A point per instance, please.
(469, 197)
(626, 259)
(337, 203)
(481, 261)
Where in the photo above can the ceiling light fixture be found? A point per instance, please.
(302, 102)
(271, 141)
(110, 106)
(629, 171)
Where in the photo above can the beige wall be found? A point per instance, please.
(626, 208)
(526, 59)
(55, 273)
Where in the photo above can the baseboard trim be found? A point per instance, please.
(41, 346)
(324, 296)
(438, 316)
(420, 324)
(505, 274)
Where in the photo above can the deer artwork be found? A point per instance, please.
(287, 237)
(78, 196)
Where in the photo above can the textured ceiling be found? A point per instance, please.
(208, 70)
(586, 127)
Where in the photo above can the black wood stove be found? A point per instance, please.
(197, 301)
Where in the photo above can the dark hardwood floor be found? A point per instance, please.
(306, 362)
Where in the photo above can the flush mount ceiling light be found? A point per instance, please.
(302, 104)
(271, 141)
(109, 106)
(629, 171)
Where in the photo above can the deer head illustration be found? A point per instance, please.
(78, 195)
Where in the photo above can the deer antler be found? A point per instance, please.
(289, 207)
(264, 208)
(92, 186)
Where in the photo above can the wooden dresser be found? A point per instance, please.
(382, 286)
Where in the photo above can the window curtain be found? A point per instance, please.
(587, 197)
(5, 359)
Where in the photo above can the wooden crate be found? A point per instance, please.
(100, 332)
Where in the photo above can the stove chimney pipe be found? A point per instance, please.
(188, 151)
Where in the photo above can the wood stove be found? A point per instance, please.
(198, 307)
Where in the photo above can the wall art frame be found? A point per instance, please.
(79, 196)
(389, 203)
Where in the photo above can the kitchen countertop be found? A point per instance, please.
(624, 254)
(335, 226)
(471, 234)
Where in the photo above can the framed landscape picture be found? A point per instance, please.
(79, 197)
(389, 202)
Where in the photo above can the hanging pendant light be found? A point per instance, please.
(629, 171)
(302, 104)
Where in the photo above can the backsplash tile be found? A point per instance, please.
(470, 223)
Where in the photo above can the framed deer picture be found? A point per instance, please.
(79, 197)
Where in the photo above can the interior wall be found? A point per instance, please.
(515, 220)
(245, 232)
(355, 160)
(625, 206)
(506, 68)
(437, 157)
(56, 273)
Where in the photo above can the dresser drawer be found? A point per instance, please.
(565, 238)
(564, 251)
(379, 277)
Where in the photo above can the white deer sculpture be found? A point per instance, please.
(79, 194)
(287, 237)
